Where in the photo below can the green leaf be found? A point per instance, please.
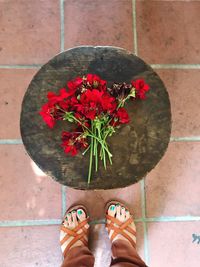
(68, 117)
(132, 92)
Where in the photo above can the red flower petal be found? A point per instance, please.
(123, 115)
(141, 88)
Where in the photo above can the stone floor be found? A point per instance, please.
(166, 203)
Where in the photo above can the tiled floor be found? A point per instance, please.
(166, 204)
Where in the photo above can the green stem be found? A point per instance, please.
(91, 158)
(93, 146)
(106, 146)
(85, 150)
(109, 157)
(96, 150)
(100, 141)
(82, 124)
(95, 142)
(103, 147)
(92, 135)
(96, 157)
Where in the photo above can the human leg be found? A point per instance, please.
(122, 233)
(74, 239)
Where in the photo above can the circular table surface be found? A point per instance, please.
(136, 147)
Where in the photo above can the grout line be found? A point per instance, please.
(143, 203)
(11, 141)
(16, 223)
(175, 66)
(158, 219)
(29, 223)
(185, 139)
(134, 27)
(174, 219)
(143, 198)
(103, 221)
(62, 25)
(64, 204)
(36, 66)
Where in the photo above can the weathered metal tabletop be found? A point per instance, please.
(136, 147)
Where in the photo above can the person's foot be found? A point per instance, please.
(119, 223)
(74, 229)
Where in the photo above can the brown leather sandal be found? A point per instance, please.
(74, 232)
(119, 227)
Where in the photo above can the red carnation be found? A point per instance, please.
(96, 82)
(90, 104)
(55, 108)
(53, 98)
(108, 103)
(121, 117)
(72, 142)
(74, 84)
(141, 88)
(46, 113)
(95, 109)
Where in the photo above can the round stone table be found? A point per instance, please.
(136, 147)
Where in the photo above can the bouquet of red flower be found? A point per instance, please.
(96, 109)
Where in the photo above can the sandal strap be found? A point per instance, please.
(113, 219)
(122, 225)
(67, 231)
(73, 241)
(119, 231)
(120, 228)
(74, 232)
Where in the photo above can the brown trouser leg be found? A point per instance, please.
(79, 257)
(125, 255)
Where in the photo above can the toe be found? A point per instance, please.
(81, 215)
(65, 222)
(112, 210)
(123, 214)
(74, 218)
(127, 214)
(118, 213)
(69, 218)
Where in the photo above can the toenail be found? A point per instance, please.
(73, 211)
(118, 204)
(80, 212)
(112, 207)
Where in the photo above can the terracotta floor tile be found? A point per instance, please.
(88, 22)
(101, 246)
(168, 31)
(30, 246)
(172, 188)
(170, 244)
(14, 83)
(29, 31)
(185, 105)
(26, 193)
(96, 200)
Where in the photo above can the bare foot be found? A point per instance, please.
(121, 215)
(72, 220)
